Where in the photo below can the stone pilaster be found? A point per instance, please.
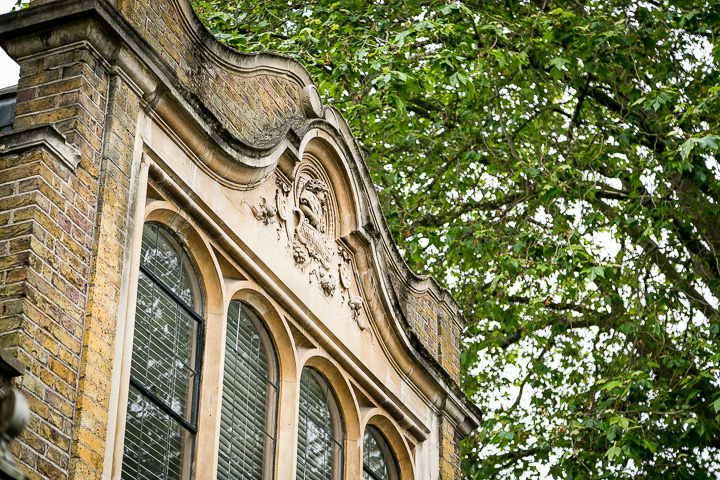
(111, 233)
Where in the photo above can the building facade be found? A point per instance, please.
(194, 270)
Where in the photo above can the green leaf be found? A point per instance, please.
(609, 386)
(470, 120)
(613, 452)
(622, 421)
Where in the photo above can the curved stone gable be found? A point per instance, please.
(130, 111)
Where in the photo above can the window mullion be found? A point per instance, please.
(172, 294)
(162, 405)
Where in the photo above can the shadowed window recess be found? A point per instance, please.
(320, 431)
(166, 359)
(250, 395)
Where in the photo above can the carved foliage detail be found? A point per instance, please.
(355, 304)
(282, 204)
(328, 282)
(306, 213)
(345, 274)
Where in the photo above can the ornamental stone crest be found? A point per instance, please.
(311, 214)
(306, 218)
(314, 227)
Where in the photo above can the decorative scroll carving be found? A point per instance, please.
(345, 276)
(344, 273)
(312, 237)
(281, 200)
(282, 204)
(345, 269)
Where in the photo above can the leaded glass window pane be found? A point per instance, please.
(165, 364)
(320, 434)
(247, 438)
(378, 460)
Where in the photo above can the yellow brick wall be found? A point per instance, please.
(62, 240)
(44, 258)
(266, 101)
(449, 451)
(92, 409)
(435, 329)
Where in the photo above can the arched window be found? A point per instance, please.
(166, 359)
(250, 390)
(378, 460)
(320, 432)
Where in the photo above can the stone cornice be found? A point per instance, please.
(44, 136)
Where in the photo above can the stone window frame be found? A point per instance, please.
(218, 290)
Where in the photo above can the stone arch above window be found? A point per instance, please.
(320, 430)
(250, 398)
(378, 459)
(396, 442)
(167, 354)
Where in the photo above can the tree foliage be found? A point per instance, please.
(555, 164)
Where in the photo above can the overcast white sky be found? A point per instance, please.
(9, 70)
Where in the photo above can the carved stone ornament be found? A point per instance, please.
(312, 230)
(355, 304)
(345, 276)
(300, 254)
(314, 242)
(328, 282)
(344, 272)
(281, 200)
(266, 212)
(282, 204)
